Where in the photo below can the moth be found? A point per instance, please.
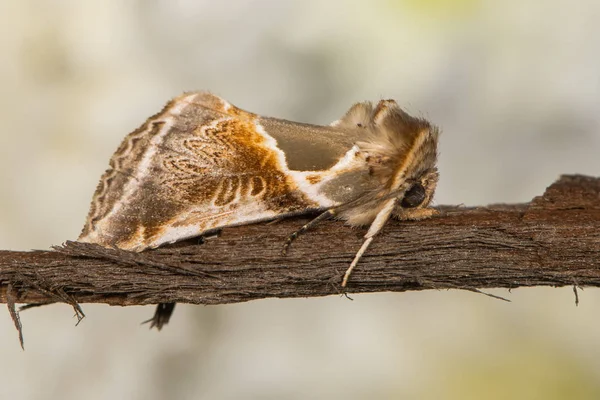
(202, 164)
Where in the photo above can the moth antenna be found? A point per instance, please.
(325, 215)
(376, 226)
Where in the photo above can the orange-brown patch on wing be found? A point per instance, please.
(227, 164)
(314, 179)
(257, 185)
(238, 112)
(226, 192)
(244, 154)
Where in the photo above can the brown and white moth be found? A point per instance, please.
(202, 164)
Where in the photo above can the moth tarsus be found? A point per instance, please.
(354, 262)
(202, 164)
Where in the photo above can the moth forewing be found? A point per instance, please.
(202, 164)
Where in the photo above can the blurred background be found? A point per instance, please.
(515, 86)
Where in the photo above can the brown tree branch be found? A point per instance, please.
(552, 241)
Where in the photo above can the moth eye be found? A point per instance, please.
(413, 196)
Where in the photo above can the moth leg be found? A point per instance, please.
(161, 315)
(275, 221)
(376, 226)
(325, 215)
(213, 234)
(357, 257)
(33, 305)
(415, 214)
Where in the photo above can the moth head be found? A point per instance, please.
(400, 150)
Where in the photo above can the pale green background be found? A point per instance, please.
(515, 86)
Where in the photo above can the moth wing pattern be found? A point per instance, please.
(202, 163)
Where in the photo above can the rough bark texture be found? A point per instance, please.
(552, 241)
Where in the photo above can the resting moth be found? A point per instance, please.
(202, 164)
